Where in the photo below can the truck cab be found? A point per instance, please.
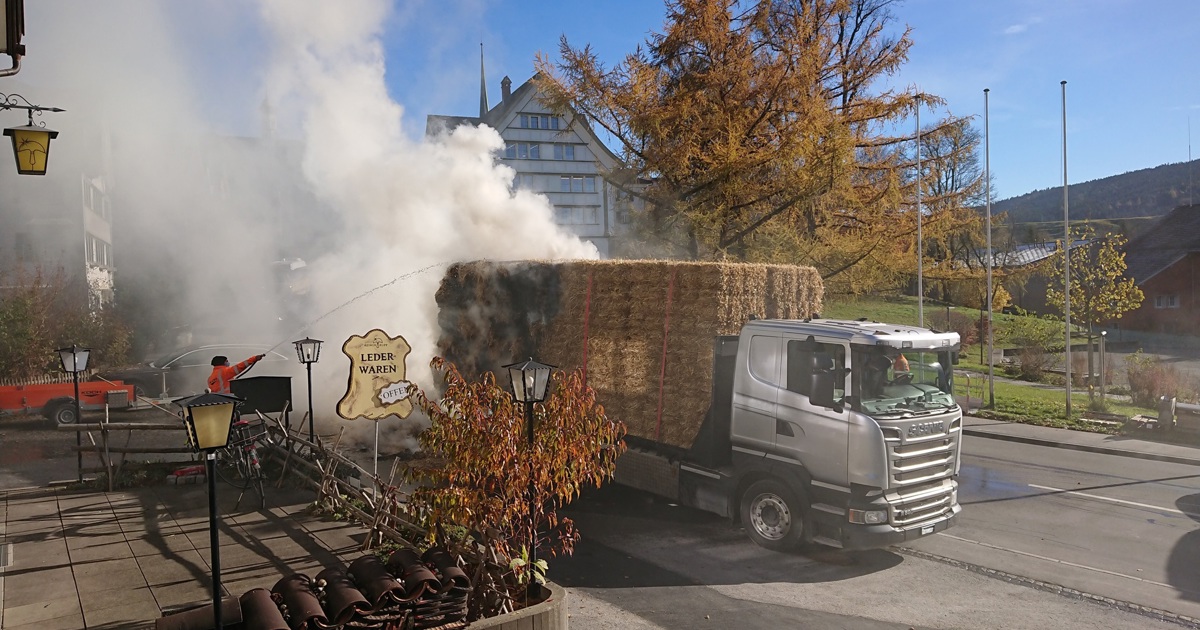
(845, 433)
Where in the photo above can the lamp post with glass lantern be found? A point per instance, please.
(74, 360)
(209, 419)
(308, 350)
(529, 381)
(31, 143)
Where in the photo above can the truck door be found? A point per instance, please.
(815, 436)
(755, 388)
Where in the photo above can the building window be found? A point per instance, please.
(535, 121)
(523, 151)
(564, 152)
(576, 184)
(1166, 301)
(95, 199)
(577, 215)
(98, 252)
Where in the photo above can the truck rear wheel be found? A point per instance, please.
(64, 413)
(773, 515)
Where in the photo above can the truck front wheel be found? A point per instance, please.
(773, 515)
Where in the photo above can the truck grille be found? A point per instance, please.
(921, 457)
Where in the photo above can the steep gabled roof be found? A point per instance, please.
(499, 115)
(1174, 236)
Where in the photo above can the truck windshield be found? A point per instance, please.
(909, 383)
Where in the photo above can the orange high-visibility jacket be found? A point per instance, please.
(901, 364)
(218, 381)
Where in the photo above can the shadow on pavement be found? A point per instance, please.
(1183, 565)
(699, 549)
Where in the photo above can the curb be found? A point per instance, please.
(1172, 459)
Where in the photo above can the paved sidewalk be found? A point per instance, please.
(1081, 440)
(86, 559)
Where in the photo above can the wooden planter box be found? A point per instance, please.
(551, 614)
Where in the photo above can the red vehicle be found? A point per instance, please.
(57, 400)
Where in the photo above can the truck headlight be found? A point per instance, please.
(868, 517)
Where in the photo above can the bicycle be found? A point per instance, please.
(238, 464)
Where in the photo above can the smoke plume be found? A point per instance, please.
(235, 139)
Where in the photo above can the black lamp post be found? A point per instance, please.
(308, 350)
(209, 419)
(529, 380)
(75, 360)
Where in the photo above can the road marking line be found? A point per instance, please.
(1122, 501)
(1056, 560)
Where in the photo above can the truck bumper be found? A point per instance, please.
(876, 536)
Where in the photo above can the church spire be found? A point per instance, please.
(483, 105)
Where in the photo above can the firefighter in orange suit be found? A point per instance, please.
(218, 381)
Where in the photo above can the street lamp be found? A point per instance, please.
(75, 360)
(308, 350)
(528, 381)
(209, 419)
(31, 143)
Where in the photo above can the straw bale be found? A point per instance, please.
(648, 326)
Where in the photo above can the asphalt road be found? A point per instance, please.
(1107, 526)
(1117, 527)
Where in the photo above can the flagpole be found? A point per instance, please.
(920, 240)
(1066, 249)
(987, 176)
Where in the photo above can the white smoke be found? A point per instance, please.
(406, 204)
(370, 203)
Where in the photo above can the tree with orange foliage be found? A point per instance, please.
(759, 131)
(484, 467)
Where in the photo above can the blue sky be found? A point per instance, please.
(1130, 66)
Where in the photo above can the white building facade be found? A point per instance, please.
(558, 156)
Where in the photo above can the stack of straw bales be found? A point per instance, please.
(643, 330)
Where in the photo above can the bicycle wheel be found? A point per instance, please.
(232, 467)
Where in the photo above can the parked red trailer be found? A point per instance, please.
(56, 401)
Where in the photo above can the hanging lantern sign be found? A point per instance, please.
(377, 385)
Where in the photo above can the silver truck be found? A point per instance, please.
(819, 432)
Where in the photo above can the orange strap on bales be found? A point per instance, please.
(587, 312)
(662, 375)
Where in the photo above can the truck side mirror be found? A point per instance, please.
(821, 393)
(822, 381)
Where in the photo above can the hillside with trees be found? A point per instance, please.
(1145, 193)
